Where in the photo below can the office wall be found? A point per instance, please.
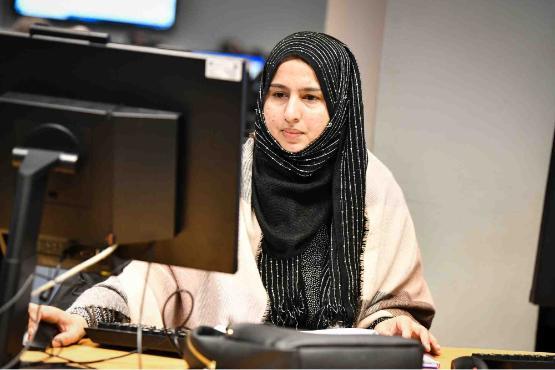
(360, 24)
(465, 121)
(203, 24)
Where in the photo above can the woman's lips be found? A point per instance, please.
(291, 133)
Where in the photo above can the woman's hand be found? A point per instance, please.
(408, 328)
(72, 327)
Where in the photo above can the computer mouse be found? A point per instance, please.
(44, 335)
(468, 362)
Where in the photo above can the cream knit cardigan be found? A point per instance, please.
(392, 281)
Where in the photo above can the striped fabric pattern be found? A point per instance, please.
(342, 146)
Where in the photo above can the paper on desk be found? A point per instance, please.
(428, 362)
(342, 331)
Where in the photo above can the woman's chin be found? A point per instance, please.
(293, 147)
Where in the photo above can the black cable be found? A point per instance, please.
(85, 363)
(69, 361)
(47, 295)
(139, 324)
(15, 359)
(105, 359)
(182, 325)
(17, 295)
(172, 340)
(82, 363)
(10, 364)
(178, 288)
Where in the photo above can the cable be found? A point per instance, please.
(18, 295)
(75, 270)
(69, 361)
(15, 359)
(139, 324)
(182, 325)
(47, 295)
(178, 288)
(172, 340)
(51, 284)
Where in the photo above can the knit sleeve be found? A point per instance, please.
(393, 280)
(104, 302)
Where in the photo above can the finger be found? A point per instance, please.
(64, 339)
(436, 348)
(31, 328)
(424, 337)
(406, 329)
(34, 312)
(387, 327)
(51, 314)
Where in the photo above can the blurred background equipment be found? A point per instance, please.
(160, 13)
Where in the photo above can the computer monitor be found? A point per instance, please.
(156, 14)
(158, 135)
(543, 285)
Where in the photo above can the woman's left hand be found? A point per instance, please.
(408, 328)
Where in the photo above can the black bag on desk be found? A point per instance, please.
(265, 346)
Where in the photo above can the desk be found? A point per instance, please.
(450, 353)
(86, 350)
(89, 351)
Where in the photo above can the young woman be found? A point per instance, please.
(325, 235)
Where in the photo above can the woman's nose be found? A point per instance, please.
(292, 111)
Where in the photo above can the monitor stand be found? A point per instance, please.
(18, 265)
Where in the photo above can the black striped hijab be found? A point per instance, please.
(296, 195)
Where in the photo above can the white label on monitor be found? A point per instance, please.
(227, 69)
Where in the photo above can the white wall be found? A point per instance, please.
(465, 121)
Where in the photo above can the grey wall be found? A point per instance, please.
(360, 24)
(465, 121)
(202, 24)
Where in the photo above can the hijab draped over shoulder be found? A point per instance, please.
(313, 199)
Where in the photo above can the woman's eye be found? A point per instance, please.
(311, 97)
(279, 94)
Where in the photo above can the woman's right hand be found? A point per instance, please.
(71, 327)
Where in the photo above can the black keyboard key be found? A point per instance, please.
(124, 336)
(517, 361)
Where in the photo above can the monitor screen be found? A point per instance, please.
(158, 14)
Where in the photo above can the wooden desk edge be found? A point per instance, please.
(86, 350)
(448, 354)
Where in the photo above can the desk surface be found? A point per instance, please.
(86, 350)
(89, 351)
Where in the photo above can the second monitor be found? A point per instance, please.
(159, 136)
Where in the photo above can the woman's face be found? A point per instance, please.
(295, 110)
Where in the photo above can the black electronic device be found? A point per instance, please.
(145, 148)
(516, 360)
(44, 335)
(543, 285)
(468, 362)
(124, 336)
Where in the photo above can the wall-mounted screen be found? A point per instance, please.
(158, 14)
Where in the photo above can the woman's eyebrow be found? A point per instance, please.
(278, 86)
(309, 88)
(312, 89)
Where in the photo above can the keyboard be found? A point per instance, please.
(517, 361)
(124, 335)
